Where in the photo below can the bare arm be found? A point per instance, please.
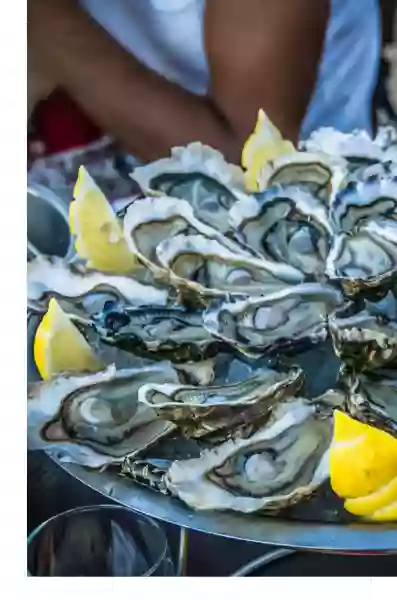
(261, 53)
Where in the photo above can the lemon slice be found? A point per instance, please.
(263, 145)
(59, 347)
(363, 468)
(99, 235)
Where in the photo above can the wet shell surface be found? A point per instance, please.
(289, 320)
(95, 419)
(210, 269)
(201, 176)
(279, 465)
(285, 224)
(198, 411)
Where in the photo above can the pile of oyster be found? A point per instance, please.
(206, 340)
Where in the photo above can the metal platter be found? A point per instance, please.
(321, 537)
(302, 530)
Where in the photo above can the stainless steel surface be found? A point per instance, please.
(261, 561)
(46, 212)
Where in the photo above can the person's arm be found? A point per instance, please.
(261, 54)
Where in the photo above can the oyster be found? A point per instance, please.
(372, 398)
(357, 147)
(311, 170)
(87, 289)
(173, 333)
(149, 221)
(95, 420)
(198, 411)
(365, 339)
(363, 262)
(363, 202)
(279, 465)
(285, 224)
(199, 175)
(210, 269)
(291, 319)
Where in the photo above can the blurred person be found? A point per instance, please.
(155, 74)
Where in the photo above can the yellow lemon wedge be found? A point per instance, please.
(263, 145)
(59, 347)
(363, 468)
(98, 234)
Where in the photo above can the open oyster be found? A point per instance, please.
(372, 398)
(362, 202)
(285, 224)
(149, 221)
(210, 269)
(291, 319)
(95, 420)
(311, 170)
(279, 465)
(172, 333)
(200, 175)
(357, 147)
(87, 289)
(363, 256)
(198, 411)
(365, 339)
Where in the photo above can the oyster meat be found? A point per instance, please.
(280, 464)
(149, 221)
(363, 262)
(291, 319)
(310, 170)
(87, 289)
(365, 338)
(200, 175)
(210, 269)
(372, 398)
(199, 411)
(173, 333)
(95, 420)
(287, 224)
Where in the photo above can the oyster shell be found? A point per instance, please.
(285, 224)
(311, 170)
(279, 465)
(95, 420)
(365, 339)
(149, 221)
(363, 262)
(88, 289)
(169, 333)
(201, 176)
(210, 269)
(291, 319)
(363, 202)
(357, 147)
(372, 398)
(199, 411)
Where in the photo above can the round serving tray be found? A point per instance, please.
(322, 537)
(291, 533)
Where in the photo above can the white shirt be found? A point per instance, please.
(167, 36)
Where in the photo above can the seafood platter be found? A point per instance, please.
(221, 352)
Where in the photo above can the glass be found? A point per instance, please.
(99, 541)
(47, 224)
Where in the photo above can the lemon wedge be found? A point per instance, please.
(59, 347)
(98, 234)
(263, 145)
(363, 468)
